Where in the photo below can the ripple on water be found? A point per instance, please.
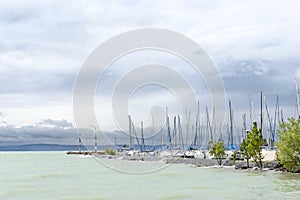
(176, 196)
(57, 176)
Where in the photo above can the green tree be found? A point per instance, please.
(251, 146)
(245, 149)
(218, 151)
(289, 144)
(234, 157)
(110, 151)
(255, 145)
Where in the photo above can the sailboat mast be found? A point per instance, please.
(228, 134)
(95, 141)
(130, 133)
(180, 134)
(208, 126)
(142, 133)
(80, 142)
(174, 134)
(169, 138)
(261, 111)
(297, 99)
(245, 126)
(135, 134)
(213, 136)
(197, 124)
(162, 138)
(188, 117)
(220, 129)
(231, 124)
(250, 108)
(153, 129)
(275, 119)
(270, 129)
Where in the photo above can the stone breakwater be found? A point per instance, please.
(239, 164)
(269, 163)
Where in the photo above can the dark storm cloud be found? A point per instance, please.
(36, 134)
(245, 79)
(47, 131)
(56, 135)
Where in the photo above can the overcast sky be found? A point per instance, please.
(255, 45)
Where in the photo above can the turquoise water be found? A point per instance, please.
(55, 175)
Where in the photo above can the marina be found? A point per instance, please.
(193, 145)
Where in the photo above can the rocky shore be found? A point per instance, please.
(239, 164)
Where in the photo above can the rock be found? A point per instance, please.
(240, 165)
(297, 170)
(271, 165)
(282, 169)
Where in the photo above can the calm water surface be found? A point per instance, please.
(55, 175)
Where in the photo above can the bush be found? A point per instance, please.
(256, 143)
(245, 150)
(218, 150)
(251, 147)
(234, 156)
(289, 145)
(110, 151)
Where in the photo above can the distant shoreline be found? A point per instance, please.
(38, 147)
(49, 147)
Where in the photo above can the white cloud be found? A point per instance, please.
(297, 73)
(43, 45)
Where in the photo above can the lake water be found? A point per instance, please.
(55, 175)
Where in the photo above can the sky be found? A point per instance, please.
(255, 46)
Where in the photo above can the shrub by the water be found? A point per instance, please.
(218, 151)
(289, 145)
(251, 147)
(110, 151)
